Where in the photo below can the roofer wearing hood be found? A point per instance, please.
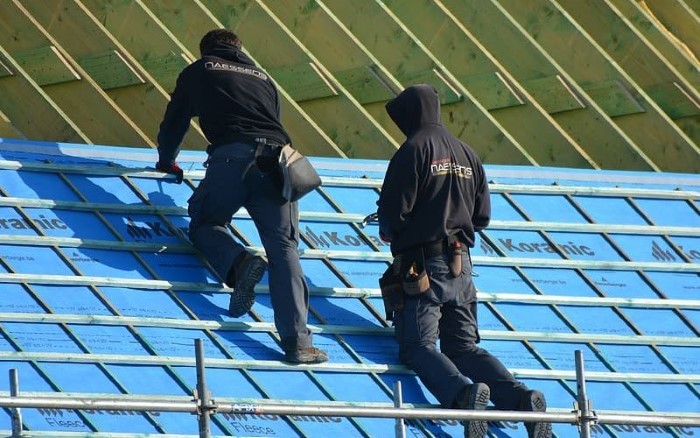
(239, 111)
(434, 199)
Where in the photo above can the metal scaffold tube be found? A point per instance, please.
(398, 403)
(587, 416)
(91, 404)
(388, 412)
(16, 412)
(204, 406)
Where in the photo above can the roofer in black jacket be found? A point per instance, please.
(434, 199)
(239, 111)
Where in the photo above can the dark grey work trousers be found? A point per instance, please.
(231, 182)
(448, 312)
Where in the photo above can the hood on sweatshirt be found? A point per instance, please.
(414, 107)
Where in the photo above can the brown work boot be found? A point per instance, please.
(534, 401)
(476, 397)
(305, 355)
(246, 274)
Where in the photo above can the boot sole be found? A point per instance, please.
(307, 359)
(542, 430)
(243, 296)
(478, 429)
(538, 430)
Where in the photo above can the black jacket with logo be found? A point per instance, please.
(234, 100)
(435, 184)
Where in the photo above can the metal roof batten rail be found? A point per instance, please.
(204, 406)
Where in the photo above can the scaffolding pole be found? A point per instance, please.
(586, 415)
(204, 406)
(16, 412)
(329, 410)
(398, 403)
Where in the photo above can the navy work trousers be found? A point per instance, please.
(233, 181)
(448, 312)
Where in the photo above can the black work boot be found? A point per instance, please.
(534, 401)
(476, 397)
(246, 274)
(305, 355)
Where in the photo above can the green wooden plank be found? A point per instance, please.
(404, 60)
(4, 69)
(459, 52)
(21, 96)
(165, 69)
(694, 5)
(553, 94)
(492, 91)
(680, 20)
(364, 85)
(46, 65)
(613, 98)
(660, 142)
(303, 82)
(110, 70)
(656, 34)
(448, 94)
(7, 129)
(525, 59)
(664, 85)
(674, 100)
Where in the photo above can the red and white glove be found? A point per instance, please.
(172, 169)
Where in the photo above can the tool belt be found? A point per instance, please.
(401, 279)
(449, 245)
(407, 274)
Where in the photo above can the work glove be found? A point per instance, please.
(172, 169)
(384, 238)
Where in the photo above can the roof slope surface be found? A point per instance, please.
(102, 294)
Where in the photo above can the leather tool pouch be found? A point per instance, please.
(392, 292)
(414, 278)
(298, 174)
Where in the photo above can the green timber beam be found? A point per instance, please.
(155, 54)
(23, 96)
(190, 20)
(7, 129)
(340, 114)
(492, 85)
(661, 140)
(653, 31)
(65, 81)
(140, 32)
(47, 65)
(405, 60)
(679, 19)
(126, 82)
(694, 5)
(630, 50)
(358, 73)
(549, 84)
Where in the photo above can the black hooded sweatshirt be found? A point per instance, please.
(435, 184)
(234, 100)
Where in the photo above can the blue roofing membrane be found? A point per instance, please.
(104, 295)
